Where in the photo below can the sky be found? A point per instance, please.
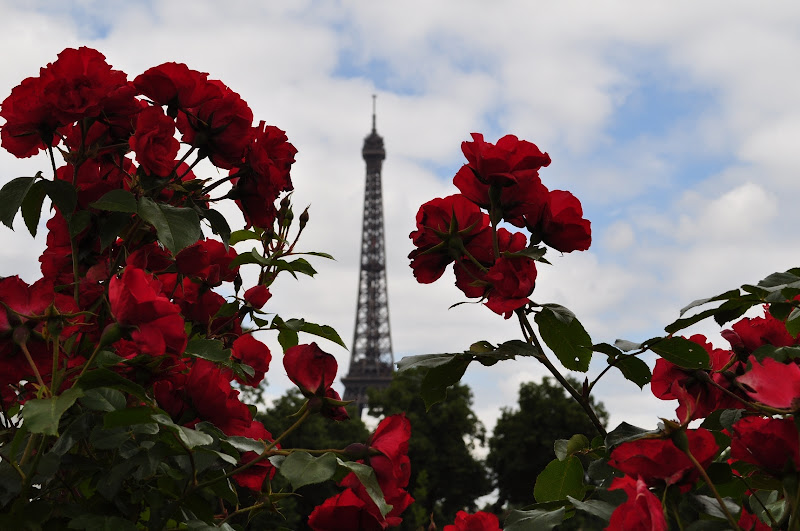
(677, 125)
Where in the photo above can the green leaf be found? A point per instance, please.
(440, 377)
(566, 447)
(208, 349)
(63, 195)
(367, 478)
(32, 207)
(323, 331)
(777, 280)
(682, 352)
(626, 346)
(129, 416)
(219, 225)
(731, 294)
(111, 226)
(42, 415)
(245, 444)
(106, 378)
(188, 436)
(116, 201)
(793, 322)
(11, 196)
(301, 468)
(424, 360)
(627, 432)
(177, 228)
(287, 339)
(710, 506)
(566, 337)
(609, 350)
(78, 222)
(242, 235)
(103, 399)
(560, 479)
(601, 509)
(634, 370)
(535, 520)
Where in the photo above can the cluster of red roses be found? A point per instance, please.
(499, 183)
(387, 453)
(113, 291)
(743, 377)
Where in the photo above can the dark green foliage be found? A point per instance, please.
(521, 445)
(445, 476)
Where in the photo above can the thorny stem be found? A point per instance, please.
(764, 507)
(542, 357)
(35, 369)
(704, 475)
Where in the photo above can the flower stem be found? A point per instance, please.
(542, 357)
(704, 475)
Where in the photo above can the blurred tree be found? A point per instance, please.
(445, 475)
(521, 445)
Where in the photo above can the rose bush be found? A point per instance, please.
(737, 470)
(121, 368)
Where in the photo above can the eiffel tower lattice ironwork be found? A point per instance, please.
(371, 360)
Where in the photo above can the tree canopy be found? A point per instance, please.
(521, 444)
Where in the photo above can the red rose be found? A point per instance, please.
(30, 122)
(506, 163)
(469, 277)
(219, 127)
(257, 296)
(392, 469)
(512, 279)
(263, 175)
(253, 477)
(479, 521)
(526, 198)
(346, 510)
(175, 85)
(213, 399)
(154, 142)
(762, 383)
(79, 83)
(136, 302)
(772, 444)
(751, 333)
(310, 368)
(445, 228)
(209, 261)
(642, 511)
(692, 389)
(252, 352)
(659, 461)
(562, 226)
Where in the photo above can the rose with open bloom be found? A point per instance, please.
(137, 303)
(641, 512)
(659, 461)
(445, 229)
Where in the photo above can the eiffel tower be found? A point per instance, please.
(371, 360)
